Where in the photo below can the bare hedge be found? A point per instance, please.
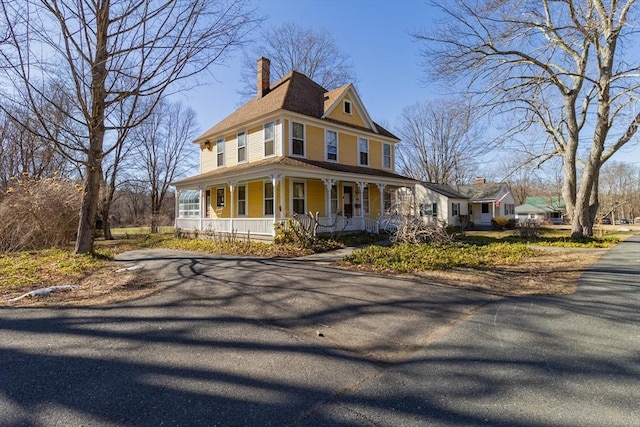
(39, 213)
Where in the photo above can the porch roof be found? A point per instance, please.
(296, 167)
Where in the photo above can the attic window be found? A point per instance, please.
(347, 107)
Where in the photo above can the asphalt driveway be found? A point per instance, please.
(234, 341)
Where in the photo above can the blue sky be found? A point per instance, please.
(374, 33)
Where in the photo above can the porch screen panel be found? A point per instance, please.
(189, 204)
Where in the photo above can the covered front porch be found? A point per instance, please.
(250, 202)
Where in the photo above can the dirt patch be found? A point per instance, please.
(106, 286)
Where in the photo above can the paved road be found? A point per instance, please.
(235, 342)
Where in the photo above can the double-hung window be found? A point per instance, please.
(455, 209)
(220, 197)
(297, 139)
(268, 198)
(363, 152)
(298, 198)
(220, 152)
(269, 148)
(242, 147)
(386, 156)
(331, 139)
(242, 199)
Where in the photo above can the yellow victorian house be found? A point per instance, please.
(294, 148)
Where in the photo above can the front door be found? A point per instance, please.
(348, 201)
(485, 215)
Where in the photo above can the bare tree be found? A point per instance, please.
(439, 142)
(163, 144)
(292, 47)
(105, 54)
(620, 190)
(568, 66)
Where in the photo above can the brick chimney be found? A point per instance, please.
(264, 78)
(480, 181)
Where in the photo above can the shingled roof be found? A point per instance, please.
(445, 190)
(294, 92)
(482, 192)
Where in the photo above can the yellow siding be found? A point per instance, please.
(315, 197)
(354, 118)
(375, 154)
(347, 149)
(314, 138)
(255, 193)
(207, 160)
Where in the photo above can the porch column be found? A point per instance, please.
(177, 208)
(328, 183)
(275, 178)
(361, 185)
(232, 185)
(202, 202)
(283, 213)
(381, 191)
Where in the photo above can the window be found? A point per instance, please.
(298, 198)
(334, 199)
(429, 209)
(485, 208)
(242, 199)
(189, 204)
(455, 209)
(387, 201)
(297, 139)
(365, 200)
(220, 152)
(347, 107)
(269, 148)
(207, 204)
(331, 140)
(268, 198)
(220, 197)
(363, 152)
(509, 209)
(386, 156)
(242, 147)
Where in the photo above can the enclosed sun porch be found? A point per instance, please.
(252, 206)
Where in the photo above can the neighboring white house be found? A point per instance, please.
(441, 203)
(542, 209)
(487, 201)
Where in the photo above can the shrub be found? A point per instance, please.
(39, 214)
(499, 223)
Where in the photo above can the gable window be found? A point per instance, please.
(268, 198)
(220, 197)
(297, 139)
(242, 147)
(455, 209)
(269, 148)
(347, 107)
(220, 152)
(332, 145)
(386, 156)
(189, 204)
(363, 152)
(242, 199)
(298, 198)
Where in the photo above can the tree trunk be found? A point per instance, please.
(106, 222)
(90, 197)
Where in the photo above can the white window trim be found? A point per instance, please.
(304, 139)
(390, 167)
(297, 181)
(246, 200)
(264, 139)
(264, 198)
(220, 143)
(326, 146)
(246, 146)
(368, 156)
(346, 102)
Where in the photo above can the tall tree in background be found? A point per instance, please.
(292, 47)
(439, 142)
(568, 66)
(163, 145)
(104, 54)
